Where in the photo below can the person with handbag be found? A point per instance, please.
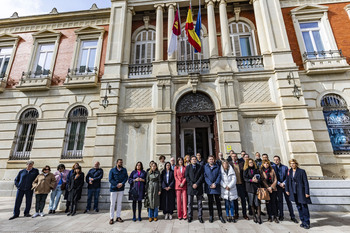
(153, 191)
(167, 197)
(75, 187)
(181, 189)
(297, 188)
(42, 185)
(137, 181)
(269, 180)
(60, 185)
(251, 177)
(228, 189)
(93, 179)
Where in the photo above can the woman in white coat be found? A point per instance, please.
(228, 189)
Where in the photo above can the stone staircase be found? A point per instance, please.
(326, 195)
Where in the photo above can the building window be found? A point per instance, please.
(187, 52)
(75, 133)
(242, 40)
(144, 47)
(312, 39)
(25, 135)
(43, 59)
(5, 55)
(87, 56)
(337, 117)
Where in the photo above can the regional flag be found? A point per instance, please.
(176, 32)
(191, 34)
(198, 27)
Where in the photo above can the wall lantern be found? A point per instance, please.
(105, 101)
(296, 90)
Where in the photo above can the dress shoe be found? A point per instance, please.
(67, 210)
(50, 211)
(236, 216)
(189, 219)
(276, 220)
(74, 213)
(69, 214)
(150, 219)
(307, 226)
(211, 219)
(201, 220)
(302, 225)
(27, 215)
(234, 220)
(222, 219)
(97, 210)
(259, 220)
(111, 221)
(119, 220)
(269, 219)
(13, 217)
(140, 219)
(255, 219)
(294, 220)
(86, 211)
(246, 217)
(134, 219)
(281, 218)
(228, 219)
(54, 211)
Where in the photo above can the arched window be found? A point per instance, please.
(187, 50)
(75, 133)
(25, 135)
(144, 47)
(337, 117)
(242, 39)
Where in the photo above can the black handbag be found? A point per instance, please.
(134, 194)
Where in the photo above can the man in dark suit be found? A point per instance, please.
(281, 173)
(297, 188)
(194, 176)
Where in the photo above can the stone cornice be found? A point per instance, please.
(56, 21)
(295, 3)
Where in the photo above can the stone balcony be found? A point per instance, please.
(81, 78)
(323, 62)
(34, 81)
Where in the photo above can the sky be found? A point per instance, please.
(34, 7)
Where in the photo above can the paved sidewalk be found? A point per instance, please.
(98, 222)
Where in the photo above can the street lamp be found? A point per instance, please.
(105, 101)
(296, 91)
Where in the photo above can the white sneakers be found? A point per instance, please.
(37, 214)
(168, 216)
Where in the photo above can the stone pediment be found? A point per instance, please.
(89, 30)
(46, 33)
(8, 37)
(309, 9)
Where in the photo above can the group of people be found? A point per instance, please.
(168, 184)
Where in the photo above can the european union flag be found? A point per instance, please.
(198, 27)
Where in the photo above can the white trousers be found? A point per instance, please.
(116, 197)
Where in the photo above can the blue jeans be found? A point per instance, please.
(230, 206)
(55, 198)
(19, 199)
(96, 193)
(153, 213)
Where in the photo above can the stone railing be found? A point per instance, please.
(250, 63)
(194, 66)
(140, 70)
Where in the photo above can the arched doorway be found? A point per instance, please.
(196, 126)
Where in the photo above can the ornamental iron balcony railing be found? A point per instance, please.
(194, 66)
(36, 74)
(250, 63)
(140, 70)
(328, 54)
(82, 70)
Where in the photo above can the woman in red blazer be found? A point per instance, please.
(181, 189)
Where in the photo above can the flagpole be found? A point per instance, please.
(192, 49)
(200, 57)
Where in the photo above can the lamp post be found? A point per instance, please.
(296, 90)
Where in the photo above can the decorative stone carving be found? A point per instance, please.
(237, 11)
(255, 92)
(259, 120)
(94, 7)
(138, 97)
(54, 11)
(146, 21)
(14, 15)
(195, 102)
(193, 82)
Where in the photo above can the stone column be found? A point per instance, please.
(213, 43)
(225, 35)
(127, 43)
(171, 16)
(159, 32)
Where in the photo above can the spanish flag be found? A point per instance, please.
(192, 36)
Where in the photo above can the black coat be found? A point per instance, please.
(251, 187)
(301, 184)
(167, 198)
(75, 187)
(194, 178)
